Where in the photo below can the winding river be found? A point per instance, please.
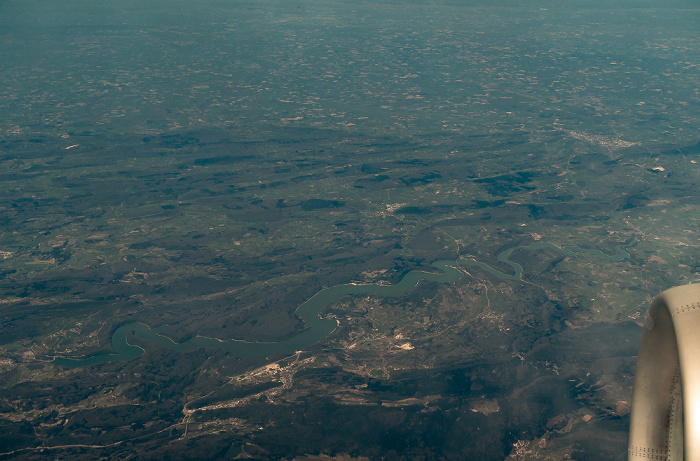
(309, 312)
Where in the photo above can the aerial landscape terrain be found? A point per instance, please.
(335, 229)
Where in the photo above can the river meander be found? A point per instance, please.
(310, 311)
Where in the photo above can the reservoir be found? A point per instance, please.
(310, 311)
